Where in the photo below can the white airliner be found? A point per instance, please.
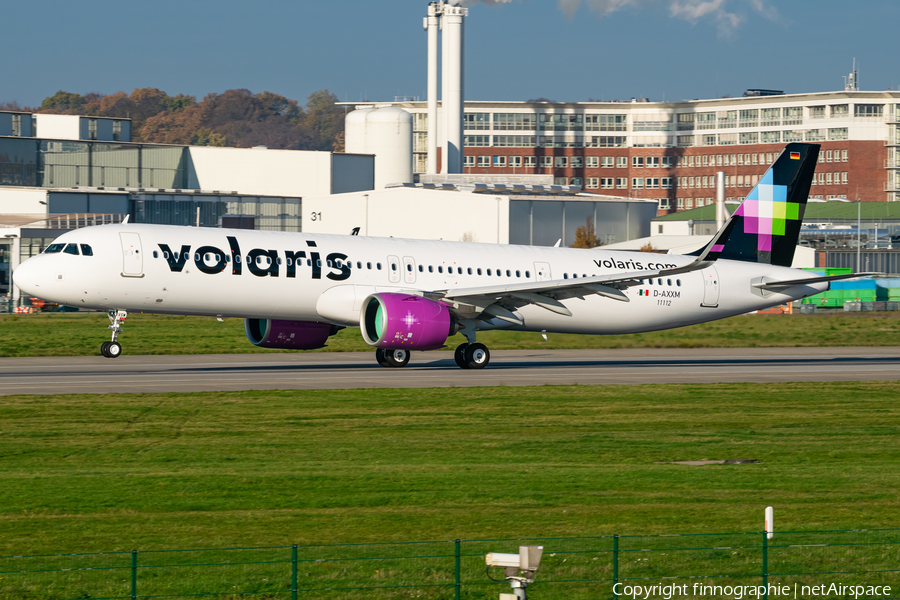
(294, 290)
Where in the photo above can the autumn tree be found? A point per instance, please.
(586, 236)
(648, 247)
(176, 104)
(324, 120)
(62, 101)
(233, 118)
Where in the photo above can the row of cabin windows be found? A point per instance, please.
(469, 270)
(660, 282)
(86, 250)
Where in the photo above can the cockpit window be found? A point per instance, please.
(86, 250)
(71, 249)
(54, 248)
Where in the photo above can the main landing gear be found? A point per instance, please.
(472, 356)
(392, 357)
(467, 356)
(112, 348)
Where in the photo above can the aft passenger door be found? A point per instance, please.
(132, 260)
(710, 287)
(542, 271)
(409, 269)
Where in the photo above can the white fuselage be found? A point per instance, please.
(129, 270)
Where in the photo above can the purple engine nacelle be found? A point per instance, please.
(291, 335)
(405, 321)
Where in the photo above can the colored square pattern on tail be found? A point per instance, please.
(766, 212)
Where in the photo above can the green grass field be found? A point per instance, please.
(74, 334)
(107, 472)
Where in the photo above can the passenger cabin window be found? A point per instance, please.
(430, 269)
(155, 253)
(478, 271)
(440, 269)
(88, 251)
(527, 273)
(421, 269)
(71, 249)
(54, 248)
(358, 265)
(378, 266)
(409, 268)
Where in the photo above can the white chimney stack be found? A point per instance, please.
(431, 27)
(452, 34)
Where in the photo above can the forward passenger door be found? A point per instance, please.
(132, 260)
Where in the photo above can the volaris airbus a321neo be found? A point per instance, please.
(294, 290)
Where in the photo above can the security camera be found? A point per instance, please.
(528, 558)
(499, 559)
(527, 561)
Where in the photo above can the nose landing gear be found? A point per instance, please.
(112, 348)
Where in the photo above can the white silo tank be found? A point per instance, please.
(355, 131)
(389, 138)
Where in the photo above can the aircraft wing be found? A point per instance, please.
(501, 300)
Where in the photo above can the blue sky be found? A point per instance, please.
(566, 50)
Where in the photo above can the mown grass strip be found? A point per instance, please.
(82, 473)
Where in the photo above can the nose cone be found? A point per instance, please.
(26, 277)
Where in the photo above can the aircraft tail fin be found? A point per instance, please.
(766, 226)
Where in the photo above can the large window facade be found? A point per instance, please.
(63, 163)
(233, 212)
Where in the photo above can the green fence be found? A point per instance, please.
(583, 568)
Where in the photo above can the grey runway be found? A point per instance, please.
(331, 370)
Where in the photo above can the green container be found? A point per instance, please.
(859, 295)
(830, 302)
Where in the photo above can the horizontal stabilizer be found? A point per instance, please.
(807, 281)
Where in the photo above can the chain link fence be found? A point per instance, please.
(615, 567)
